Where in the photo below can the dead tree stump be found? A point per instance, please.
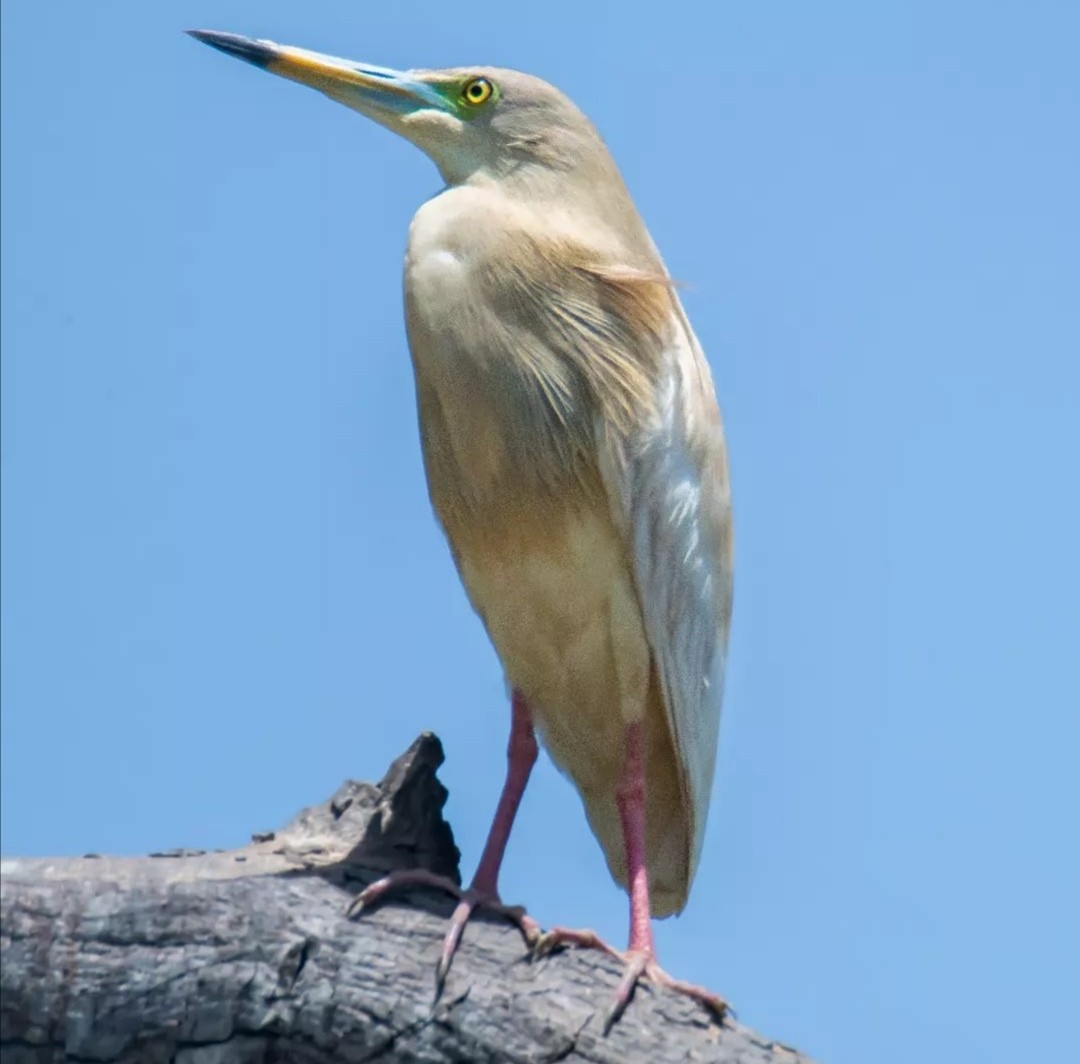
(246, 957)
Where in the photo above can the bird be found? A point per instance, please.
(576, 461)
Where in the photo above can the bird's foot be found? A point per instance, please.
(469, 900)
(639, 964)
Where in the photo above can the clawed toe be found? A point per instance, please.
(401, 880)
(639, 964)
(469, 901)
(570, 938)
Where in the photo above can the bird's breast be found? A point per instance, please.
(512, 468)
(504, 412)
(450, 236)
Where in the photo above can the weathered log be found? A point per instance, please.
(245, 956)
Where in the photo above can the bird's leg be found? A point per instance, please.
(520, 757)
(640, 955)
(484, 891)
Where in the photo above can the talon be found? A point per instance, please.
(543, 946)
(453, 937)
(529, 928)
(635, 968)
(566, 937)
(468, 902)
(639, 964)
(414, 877)
(713, 1002)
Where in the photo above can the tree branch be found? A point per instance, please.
(245, 956)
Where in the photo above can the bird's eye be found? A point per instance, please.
(477, 91)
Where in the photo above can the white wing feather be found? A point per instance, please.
(670, 489)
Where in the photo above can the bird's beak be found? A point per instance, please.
(378, 92)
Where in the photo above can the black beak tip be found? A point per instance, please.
(245, 48)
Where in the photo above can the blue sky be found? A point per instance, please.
(223, 591)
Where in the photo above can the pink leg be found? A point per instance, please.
(640, 954)
(630, 799)
(520, 758)
(484, 891)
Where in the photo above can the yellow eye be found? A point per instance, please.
(477, 91)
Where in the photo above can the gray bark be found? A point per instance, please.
(246, 957)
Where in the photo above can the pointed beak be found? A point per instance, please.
(378, 92)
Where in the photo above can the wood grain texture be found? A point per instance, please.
(246, 957)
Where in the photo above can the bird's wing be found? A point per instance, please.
(668, 484)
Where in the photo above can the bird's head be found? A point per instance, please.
(474, 123)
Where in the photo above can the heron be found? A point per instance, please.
(576, 461)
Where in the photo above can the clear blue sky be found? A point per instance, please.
(223, 591)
